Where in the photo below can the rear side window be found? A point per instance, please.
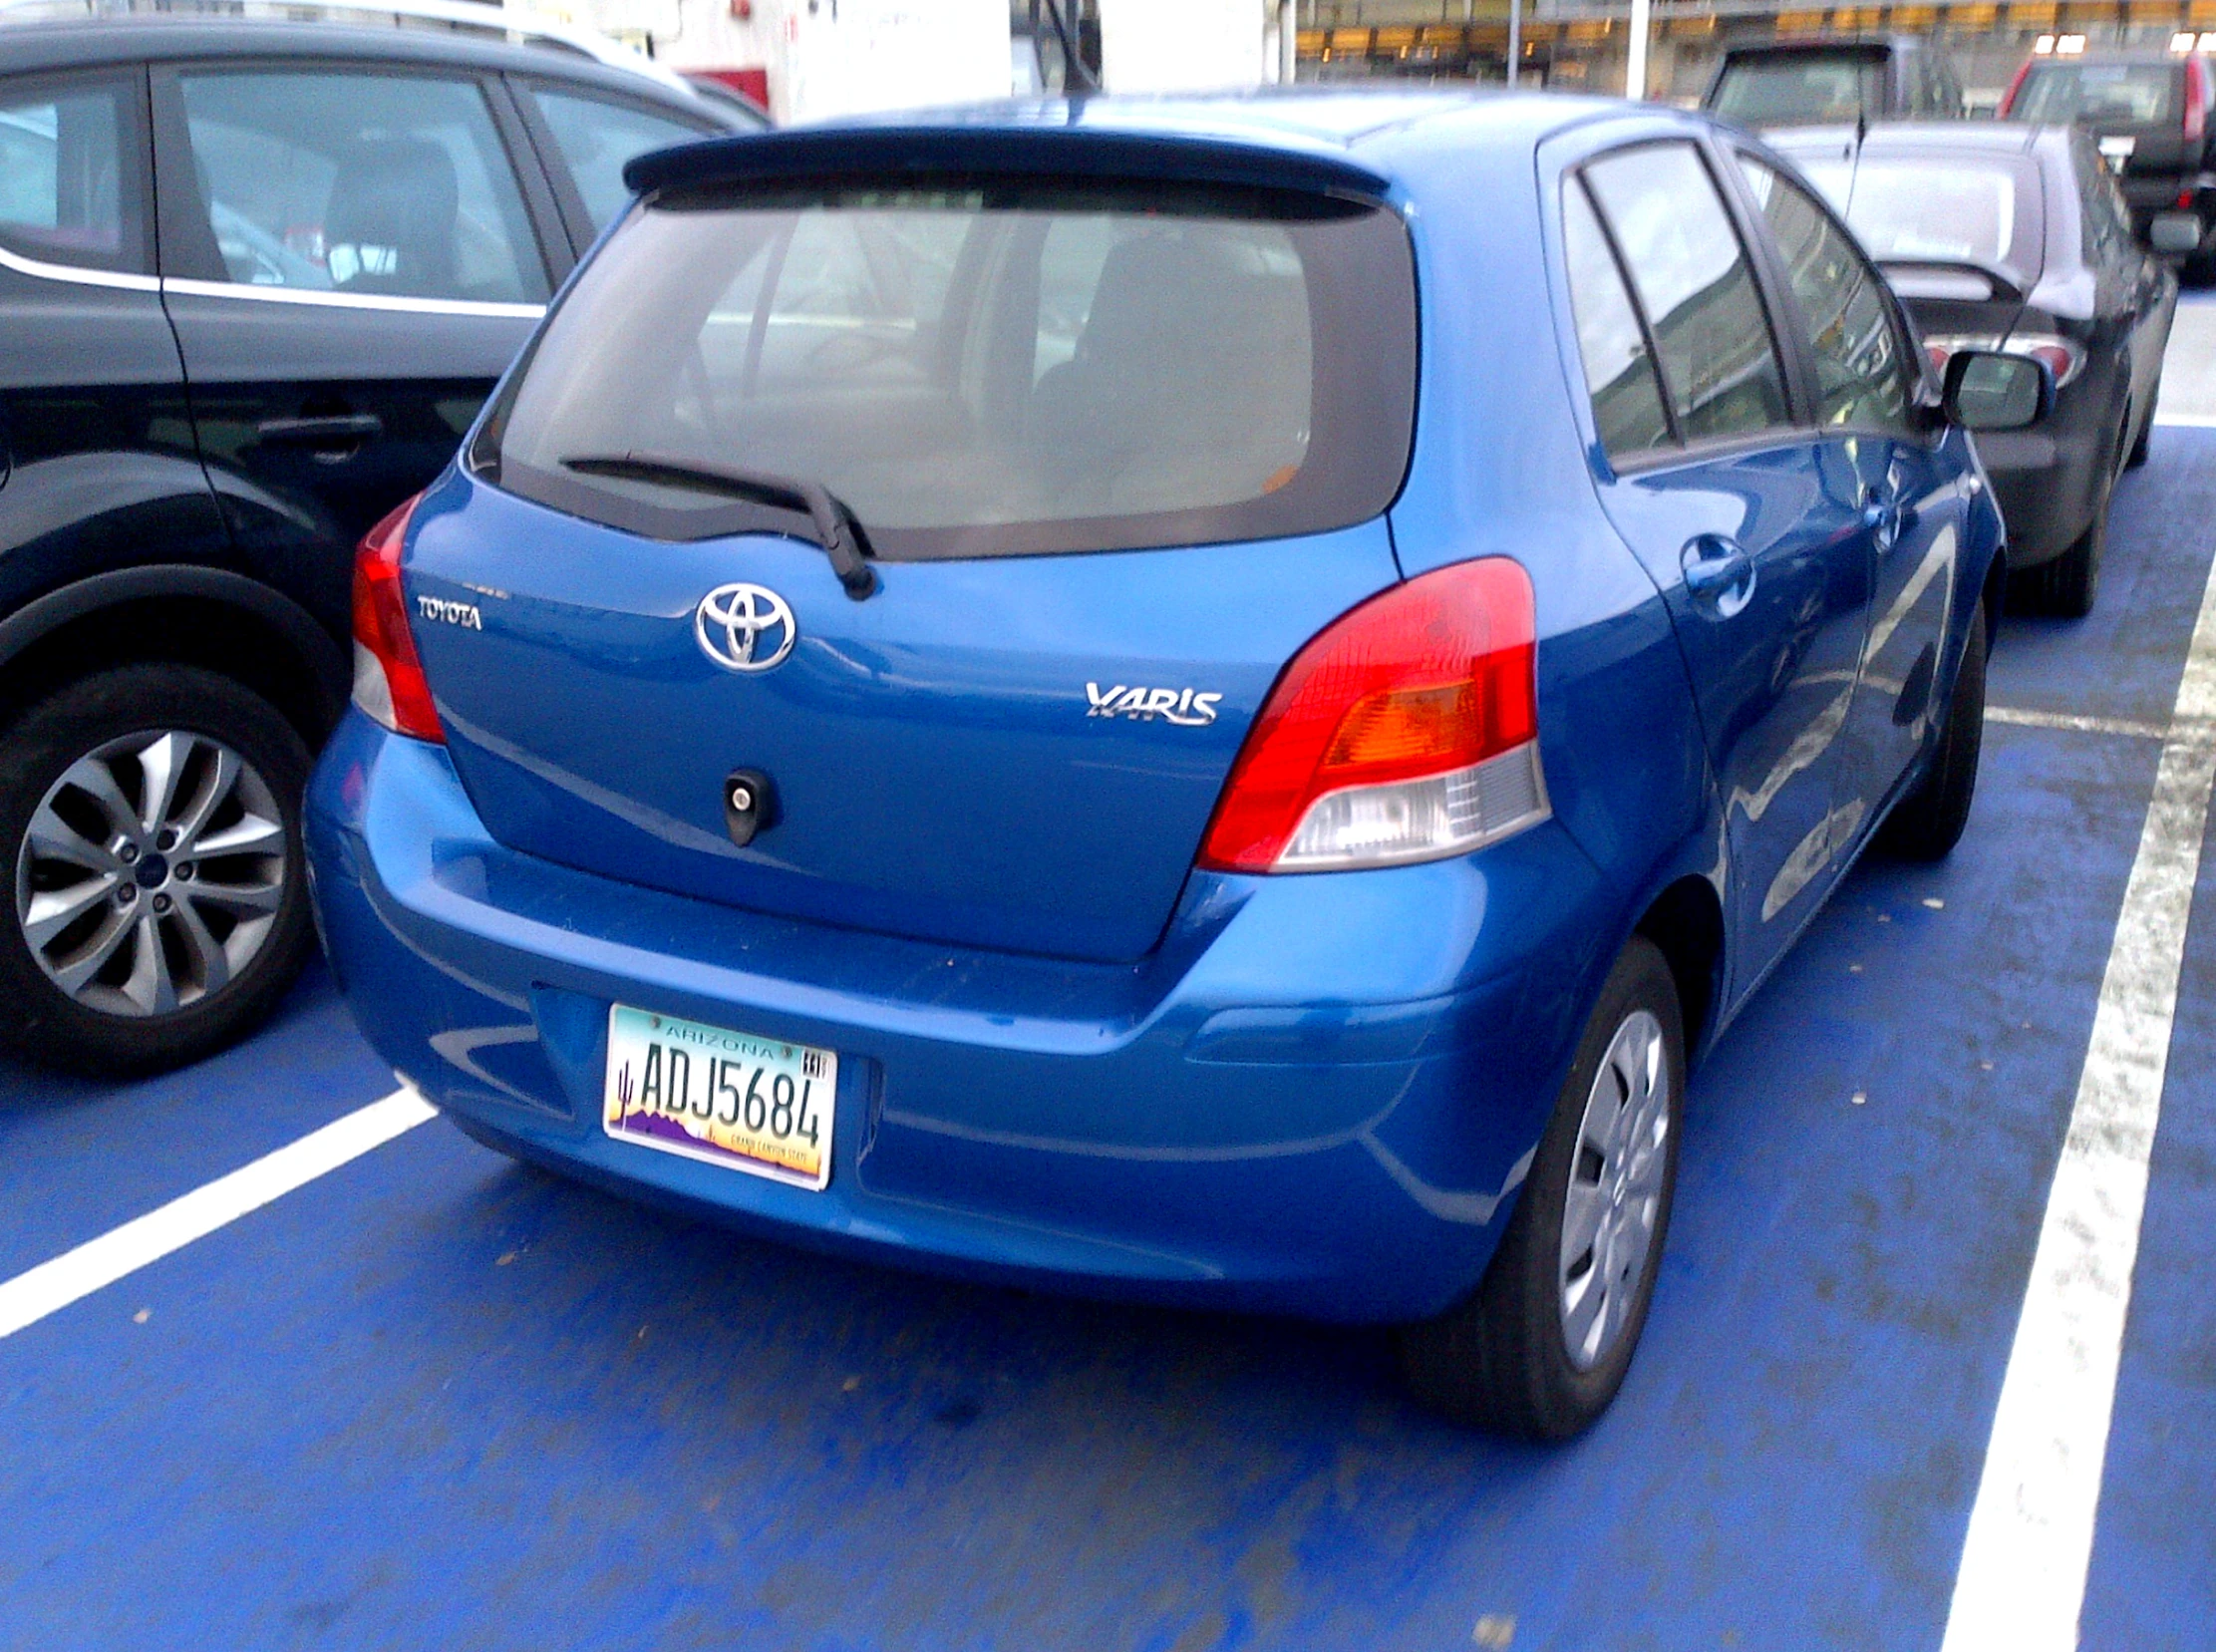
(1862, 372)
(979, 371)
(395, 186)
(598, 136)
(68, 174)
(1619, 368)
(2054, 94)
(1691, 277)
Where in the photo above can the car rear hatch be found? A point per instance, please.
(1118, 444)
(2146, 120)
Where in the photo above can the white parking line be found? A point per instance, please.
(51, 1286)
(2022, 1582)
(2187, 421)
(2023, 717)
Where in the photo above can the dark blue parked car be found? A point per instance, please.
(1199, 701)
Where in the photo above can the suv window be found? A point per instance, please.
(1862, 366)
(1694, 286)
(596, 137)
(1619, 368)
(69, 175)
(978, 369)
(2054, 94)
(391, 184)
(1813, 87)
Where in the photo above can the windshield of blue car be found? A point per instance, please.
(981, 370)
(2136, 93)
(1813, 87)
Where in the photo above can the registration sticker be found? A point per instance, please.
(750, 1104)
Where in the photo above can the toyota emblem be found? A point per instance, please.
(745, 627)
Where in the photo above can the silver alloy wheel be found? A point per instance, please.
(152, 874)
(1615, 1191)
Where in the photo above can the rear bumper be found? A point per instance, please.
(1319, 1097)
(2044, 478)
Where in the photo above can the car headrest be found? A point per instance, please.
(388, 226)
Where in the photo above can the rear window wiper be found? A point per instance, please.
(838, 530)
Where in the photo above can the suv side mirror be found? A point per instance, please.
(2175, 233)
(1988, 390)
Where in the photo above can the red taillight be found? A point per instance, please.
(2008, 98)
(389, 680)
(1406, 730)
(2196, 100)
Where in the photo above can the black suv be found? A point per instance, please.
(256, 280)
(1816, 82)
(2149, 112)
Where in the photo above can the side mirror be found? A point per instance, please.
(1986, 391)
(2176, 233)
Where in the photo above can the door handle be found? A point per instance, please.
(331, 430)
(1718, 573)
(1883, 515)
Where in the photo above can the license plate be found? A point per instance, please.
(750, 1104)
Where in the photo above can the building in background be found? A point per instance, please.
(1581, 44)
(810, 58)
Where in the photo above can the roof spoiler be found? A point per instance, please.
(1013, 150)
(2005, 286)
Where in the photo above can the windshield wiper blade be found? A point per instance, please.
(838, 530)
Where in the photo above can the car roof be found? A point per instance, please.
(1922, 136)
(32, 45)
(2115, 54)
(1309, 136)
(1817, 46)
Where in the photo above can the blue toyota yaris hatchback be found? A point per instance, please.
(1197, 700)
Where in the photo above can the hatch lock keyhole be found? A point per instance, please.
(750, 804)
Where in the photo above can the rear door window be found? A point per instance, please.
(1861, 359)
(979, 371)
(1620, 377)
(384, 184)
(71, 174)
(1690, 272)
(597, 135)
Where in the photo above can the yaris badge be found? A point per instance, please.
(745, 627)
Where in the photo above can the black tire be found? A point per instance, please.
(1500, 1359)
(2066, 586)
(2145, 444)
(1927, 822)
(241, 914)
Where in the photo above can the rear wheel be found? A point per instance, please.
(150, 817)
(2068, 585)
(2144, 446)
(1542, 1346)
(1927, 823)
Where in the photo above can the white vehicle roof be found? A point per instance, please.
(495, 22)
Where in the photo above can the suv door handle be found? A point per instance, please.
(1718, 573)
(332, 430)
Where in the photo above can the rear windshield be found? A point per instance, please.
(2134, 94)
(1811, 87)
(980, 370)
(1954, 211)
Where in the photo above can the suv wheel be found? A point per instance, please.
(150, 817)
(1542, 1346)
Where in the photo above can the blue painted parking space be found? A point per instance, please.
(433, 1398)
